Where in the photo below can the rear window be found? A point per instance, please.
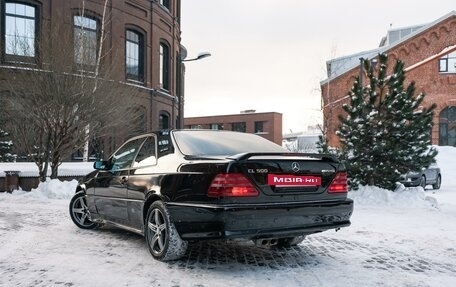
(208, 142)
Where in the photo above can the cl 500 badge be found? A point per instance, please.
(258, 170)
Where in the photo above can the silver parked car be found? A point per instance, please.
(427, 176)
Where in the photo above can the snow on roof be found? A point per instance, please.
(341, 65)
(397, 34)
(29, 169)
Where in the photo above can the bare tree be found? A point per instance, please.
(82, 43)
(50, 106)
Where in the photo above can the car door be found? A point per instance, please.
(110, 192)
(146, 173)
(142, 178)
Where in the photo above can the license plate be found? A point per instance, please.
(293, 180)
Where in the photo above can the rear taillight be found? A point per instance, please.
(231, 185)
(339, 183)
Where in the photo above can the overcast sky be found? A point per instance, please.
(270, 55)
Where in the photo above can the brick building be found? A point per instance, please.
(429, 54)
(141, 36)
(267, 125)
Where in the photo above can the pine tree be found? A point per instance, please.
(5, 147)
(322, 144)
(386, 131)
(324, 148)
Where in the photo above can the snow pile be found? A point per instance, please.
(51, 189)
(403, 197)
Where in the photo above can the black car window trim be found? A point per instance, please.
(111, 163)
(154, 137)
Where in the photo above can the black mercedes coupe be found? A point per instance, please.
(183, 185)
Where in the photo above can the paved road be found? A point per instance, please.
(40, 246)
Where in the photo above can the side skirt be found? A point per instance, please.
(121, 226)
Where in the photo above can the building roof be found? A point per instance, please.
(395, 37)
(242, 113)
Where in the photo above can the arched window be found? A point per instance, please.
(166, 3)
(447, 126)
(85, 41)
(163, 121)
(20, 29)
(134, 55)
(164, 66)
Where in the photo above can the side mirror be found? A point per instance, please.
(100, 165)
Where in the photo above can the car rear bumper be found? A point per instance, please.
(194, 221)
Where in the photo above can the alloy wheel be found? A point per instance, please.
(158, 231)
(81, 212)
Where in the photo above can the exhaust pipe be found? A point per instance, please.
(267, 242)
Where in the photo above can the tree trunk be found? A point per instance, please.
(54, 171)
(43, 171)
(55, 163)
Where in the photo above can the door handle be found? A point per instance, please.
(123, 180)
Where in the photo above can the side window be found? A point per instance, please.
(239, 127)
(163, 120)
(164, 144)
(164, 66)
(147, 154)
(165, 3)
(123, 158)
(19, 34)
(85, 41)
(447, 64)
(134, 56)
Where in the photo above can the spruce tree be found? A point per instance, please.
(322, 144)
(5, 147)
(385, 132)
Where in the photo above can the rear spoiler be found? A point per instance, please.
(317, 156)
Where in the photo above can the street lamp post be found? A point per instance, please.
(180, 82)
(199, 57)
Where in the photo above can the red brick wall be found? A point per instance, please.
(272, 125)
(440, 88)
(156, 24)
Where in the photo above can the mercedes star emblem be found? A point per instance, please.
(295, 166)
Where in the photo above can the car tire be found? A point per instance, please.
(79, 212)
(437, 184)
(290, 241)
(423, 182)
(163, 240)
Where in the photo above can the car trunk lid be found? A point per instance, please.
(290, 176)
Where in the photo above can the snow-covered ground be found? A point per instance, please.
(406, 238)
